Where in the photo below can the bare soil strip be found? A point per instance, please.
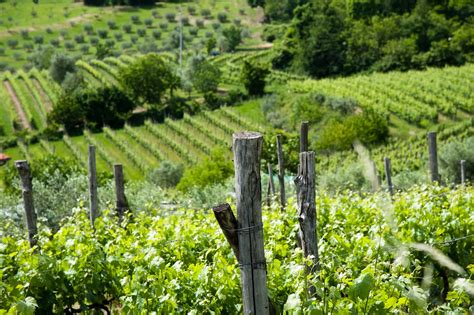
(16, 102)
(47, 103)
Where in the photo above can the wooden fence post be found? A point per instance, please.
(247, 148)
(304, 137)
(121, 200)
(271, 185)
(433, 151)
(94, 202)
(463, 172)
(27, 191)
(306, 199)
(281, 173)
(388, 174)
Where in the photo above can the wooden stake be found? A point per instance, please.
(304, 137)
(306, 199)
(121, 200)
(229, 225)
(433, 156)
(463, 172)
(281, 173)
(271, 185)
(93, 199)
(388, 174)
(27, 191)
(247, 148)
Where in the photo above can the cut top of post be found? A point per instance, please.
(246, 135)
(23, 167)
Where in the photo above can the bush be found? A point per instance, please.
(206, 13)
(166, 175)
(216, 25)
(141, 32)
(60, 66)
(79, 39)
(135, 19)
(450, 158)
(89, 29)
(54, 42)
(215, 169)
(191, 10)
(148, 22)
(118, 36)
(94, 40)
(2, 51)
(134, 39)
(170, 17)
(25, 34)
(127, 28)
(38, 39)
(110, 43)
(63, 33)
(185, 20)
(199, 23)
(17, 56)
(69, 45)
(164, 26)
(28, 46)
(103, 33)
(222, 17)
(85, 49)
(193, 31)
(155, 14)
(156, 34)
(148, 47)
(253, 77)
(49, 30)
(112, 25)
(348, 177)
(12, 43)
(237, 21)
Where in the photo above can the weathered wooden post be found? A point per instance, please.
(271, 185)
(93, 199)
(121, 201)
(27, 191)
(463, 172)
(247, 148)
(306, 199)
(229, 226)
(433, 151)
(304, 136)
(281, 173)
(388, 174)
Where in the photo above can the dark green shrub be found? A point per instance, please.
(185, 20)
(232, 38)
(222, 17)
(12, 43)
(69, 45)
(60, 66)
(85, 49)
(118, 36)
(156, 34)
(112, 25)
(170, 17)
(253, 77)
(164, 26)
(25, 34)
(127, 28)
(191, 10)
(28, 46)
(54, 42)
(148, 22)
(206, 13)
(94, 40)
(199, 23)
(89, 29)
(193, 31)
(38, 39)
(79, 39)
(135, 19)
(103, 33)
(141, 32)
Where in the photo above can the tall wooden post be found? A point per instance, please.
(306, 198)
(388, 174)
(121, 201)
(304, 137)
(27, 191)
(93, 199)
(463, 172)
(247, 148)
(271, 185)
(281, 173)
(433, 151)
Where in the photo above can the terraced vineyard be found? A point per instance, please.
(142, 148)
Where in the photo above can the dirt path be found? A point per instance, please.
(16, 102)
(45, 98)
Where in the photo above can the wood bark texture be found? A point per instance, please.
(93, 198)
(121, 203)
(304, 136)
(281, 172)
(433, 151)
(388, 174)
(247, 148)
(27, 191)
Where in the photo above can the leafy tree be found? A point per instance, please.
(204, 76)
(60, 65)
(41, 58)
(232, 38)
(450, 158)
(210, 44)
(147, 79)
(67, 112)
(253, 77)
